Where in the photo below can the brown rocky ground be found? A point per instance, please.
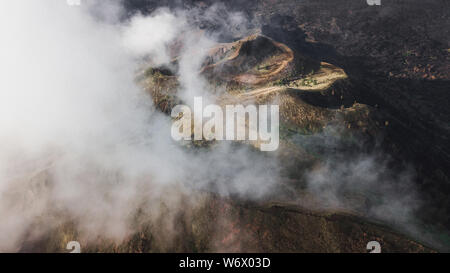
(220, 225)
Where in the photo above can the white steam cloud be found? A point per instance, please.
(79, 140)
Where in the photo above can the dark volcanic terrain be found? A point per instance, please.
(376, 76)
(396, 57)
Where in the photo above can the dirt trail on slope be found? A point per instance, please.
(321, 80)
